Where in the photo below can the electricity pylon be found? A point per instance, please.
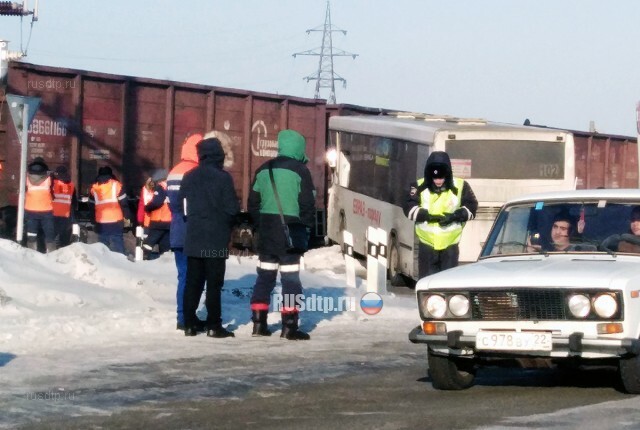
(325, 77)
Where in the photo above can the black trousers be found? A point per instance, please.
(62, 227)
(268, 267)
(199, 271)
(431, 261)
(158, 237)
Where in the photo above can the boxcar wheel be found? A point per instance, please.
(448, 373)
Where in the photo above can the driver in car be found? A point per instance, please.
(562, 230)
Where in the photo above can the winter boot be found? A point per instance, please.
(190, 331)
(290, 329)
(32, 243)
(219, 332)
(260, 327)
(51, 246)
(199, 326)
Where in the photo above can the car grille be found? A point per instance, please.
(518, 304)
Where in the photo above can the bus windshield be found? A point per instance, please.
(526, 159)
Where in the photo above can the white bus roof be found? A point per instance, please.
(423, 127)
(597, 194)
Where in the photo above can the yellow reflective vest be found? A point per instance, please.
(433, 234)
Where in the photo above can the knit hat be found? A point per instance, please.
(38, 167)
(62, 174)
(105, 171)
(159, 175)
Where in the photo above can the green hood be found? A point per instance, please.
(292, 144)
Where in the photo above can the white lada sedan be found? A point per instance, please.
(558, 279)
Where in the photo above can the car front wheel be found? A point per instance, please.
(449, 373)
(630, 374)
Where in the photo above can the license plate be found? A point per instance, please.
(514, 341)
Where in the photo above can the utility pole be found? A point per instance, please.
(8, 8)
(325, 77)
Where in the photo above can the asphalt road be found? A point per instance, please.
(382, 386)
(363, 391)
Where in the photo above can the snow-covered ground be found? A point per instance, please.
(70, 321)
(84, 331)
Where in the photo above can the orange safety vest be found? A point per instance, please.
(38, 197)
(62, 198)
(147, 196)
(163, 213)
(107, 202)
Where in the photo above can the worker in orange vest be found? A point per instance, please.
(111, 210)
(157, 209)
(64, 204)
(38, 205)
(146, 194)
(188, 161)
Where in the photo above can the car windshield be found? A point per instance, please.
(570, 226)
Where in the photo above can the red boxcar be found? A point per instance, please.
(87, 120)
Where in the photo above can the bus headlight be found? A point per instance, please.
(434, 306)
(605, 305)
(332, 157)
(579, 305)
(459, 305)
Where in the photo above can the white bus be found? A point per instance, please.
(377, 157)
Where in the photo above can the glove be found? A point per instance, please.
(447, 219)
(434, 218)
(425, 216)
(461, 215)
(127, 223)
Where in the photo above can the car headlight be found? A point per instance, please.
(459, 305)
(605, 305)
(435, 306)
(579, 305)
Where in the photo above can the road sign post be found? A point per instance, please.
(22, 109)
(349, 259)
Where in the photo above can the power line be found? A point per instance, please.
(326, 76)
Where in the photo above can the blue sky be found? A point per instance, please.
(559, 63)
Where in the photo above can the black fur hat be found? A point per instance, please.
(439, 166)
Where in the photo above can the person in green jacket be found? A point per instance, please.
(296, 193)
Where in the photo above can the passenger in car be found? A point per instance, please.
(631, 242)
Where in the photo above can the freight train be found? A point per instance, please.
(134, 125)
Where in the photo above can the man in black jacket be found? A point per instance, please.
(296, 193)
(440, 205)
(210, 205)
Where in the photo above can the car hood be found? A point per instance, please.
(561, 271)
